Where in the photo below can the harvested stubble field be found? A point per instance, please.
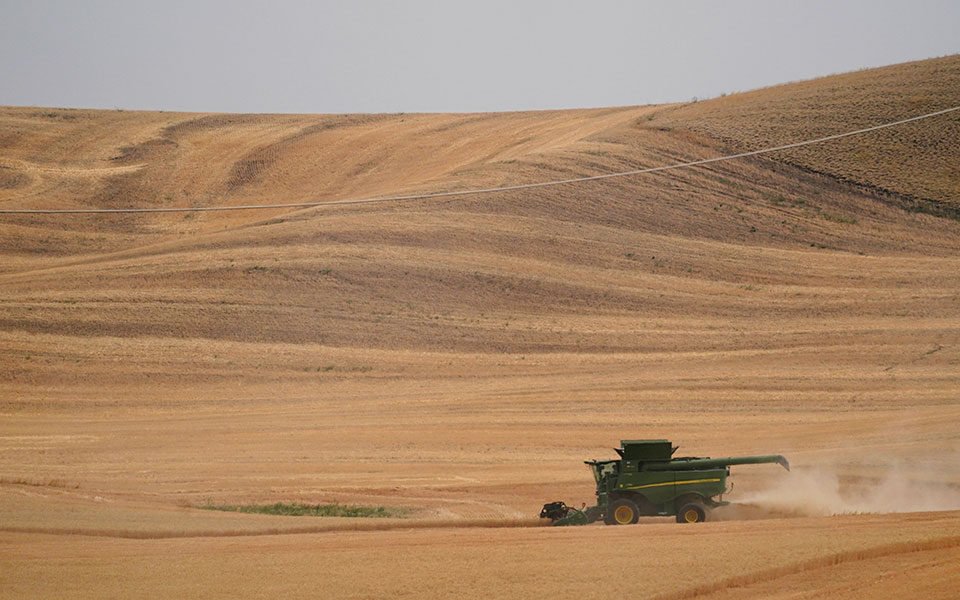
(454, 361)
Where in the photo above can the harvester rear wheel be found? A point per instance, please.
(622, 512)
(692, 513)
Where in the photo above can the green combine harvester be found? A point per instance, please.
(648, 481)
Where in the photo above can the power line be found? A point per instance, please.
(507, 188)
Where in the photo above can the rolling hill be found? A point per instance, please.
(459, 357)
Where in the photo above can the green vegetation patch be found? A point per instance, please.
(297, 509)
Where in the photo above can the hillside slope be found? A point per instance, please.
(918, 163)
(515, 271)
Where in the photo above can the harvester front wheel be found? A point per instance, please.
(622, 512)
(692, 513)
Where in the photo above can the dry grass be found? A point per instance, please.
(459, 359)
(480, 563)
(938, 545)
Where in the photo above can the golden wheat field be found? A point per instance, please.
(454, 360)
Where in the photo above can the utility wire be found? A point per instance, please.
(490, 190)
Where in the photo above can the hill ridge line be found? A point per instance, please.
(458, 193)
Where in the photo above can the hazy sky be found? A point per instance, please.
(445, 55)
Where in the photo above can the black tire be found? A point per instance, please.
(693, 512)
(622, 512)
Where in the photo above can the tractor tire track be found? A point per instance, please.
(823, 562)
(268, 531)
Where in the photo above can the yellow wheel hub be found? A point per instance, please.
(623, 515)
(691, 516)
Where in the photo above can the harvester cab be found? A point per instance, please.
(648, 481)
